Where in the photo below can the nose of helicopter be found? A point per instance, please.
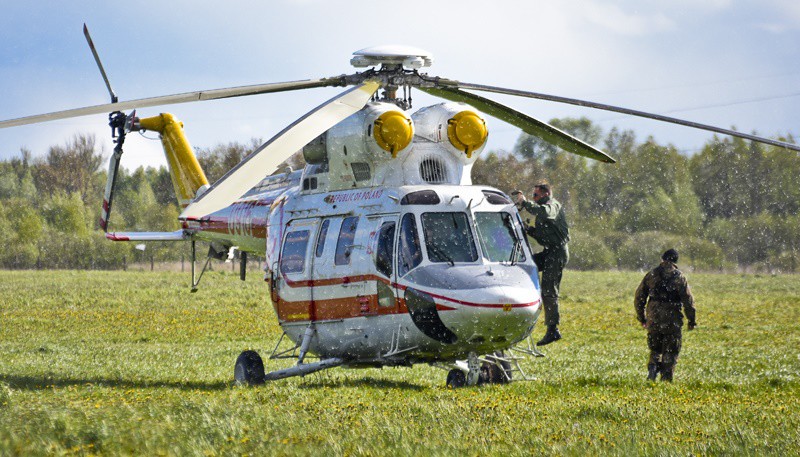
(475, 306)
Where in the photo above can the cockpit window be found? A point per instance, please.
(499, 241)
(448, 237)
(409, 250)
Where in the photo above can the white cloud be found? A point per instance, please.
(625, 22)
(789, 13)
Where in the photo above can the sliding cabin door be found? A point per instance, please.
(382, 250)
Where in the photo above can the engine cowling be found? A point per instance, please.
(457, 127)
(356, 146)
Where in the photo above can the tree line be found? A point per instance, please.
(734, 205)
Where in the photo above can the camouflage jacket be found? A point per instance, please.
(660, 296)
(550, 228)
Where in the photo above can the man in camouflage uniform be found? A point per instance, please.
(658, 308)
(551, 231)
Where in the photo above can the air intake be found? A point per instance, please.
(433, 170)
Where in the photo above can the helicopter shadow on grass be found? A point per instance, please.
(363, 382)
(44, 382)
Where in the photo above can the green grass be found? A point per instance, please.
(132, 363)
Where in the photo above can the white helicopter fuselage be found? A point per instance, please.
(394, 260)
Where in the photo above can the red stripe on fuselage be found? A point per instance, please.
(370, 277)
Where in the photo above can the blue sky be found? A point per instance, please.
(720, 62)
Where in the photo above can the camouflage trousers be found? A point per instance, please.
(551, 263)
(664, 347)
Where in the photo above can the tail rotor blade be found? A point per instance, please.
(113, 95)
(271, 154)
(617, 109)
(528, 124)
(108, 198)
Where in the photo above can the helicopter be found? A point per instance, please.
(380, 251)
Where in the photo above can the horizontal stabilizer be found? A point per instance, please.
(177, 235)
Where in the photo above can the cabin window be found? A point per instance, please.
(310, 183)
(347, 236)
(323, 233)
(293, 258)
(448, 237)
(409, 249)
(383, 255)
(498, 238)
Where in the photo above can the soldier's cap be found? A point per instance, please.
(670, 255)
(516, 192)
(544, 185)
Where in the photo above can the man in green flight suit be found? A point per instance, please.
(658, 303)
(551, 231)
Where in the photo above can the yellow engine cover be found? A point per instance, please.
(467, 131)
(393, 131)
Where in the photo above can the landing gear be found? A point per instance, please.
(493, 369)
(249, 369)
(497, 370)
(456, 378)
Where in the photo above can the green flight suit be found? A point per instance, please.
(550, 230)
(658, 302)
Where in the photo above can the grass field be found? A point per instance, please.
(132, 363)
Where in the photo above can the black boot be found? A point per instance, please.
(552, 335)
(666, 372)
(652, 371)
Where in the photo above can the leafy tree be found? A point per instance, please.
(217, 160)
(66, 214)
(505, 172)
(589, 252)
(70, 168)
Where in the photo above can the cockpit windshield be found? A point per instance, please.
(448, 237)
(499, 241)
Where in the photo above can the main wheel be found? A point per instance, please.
(456, 378)
(249, 369)
(505, 368)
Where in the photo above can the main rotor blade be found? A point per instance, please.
(174, 99)
(266, 159)
(617, 109)
(529, 125)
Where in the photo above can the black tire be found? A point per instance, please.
(505, 366)
(456, 378)
(249, 369)
(492, 374)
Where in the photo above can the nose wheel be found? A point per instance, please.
(494, 369)
(466, 374)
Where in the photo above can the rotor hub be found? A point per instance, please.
(392, 56)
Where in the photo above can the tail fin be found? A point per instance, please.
(187, 176)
